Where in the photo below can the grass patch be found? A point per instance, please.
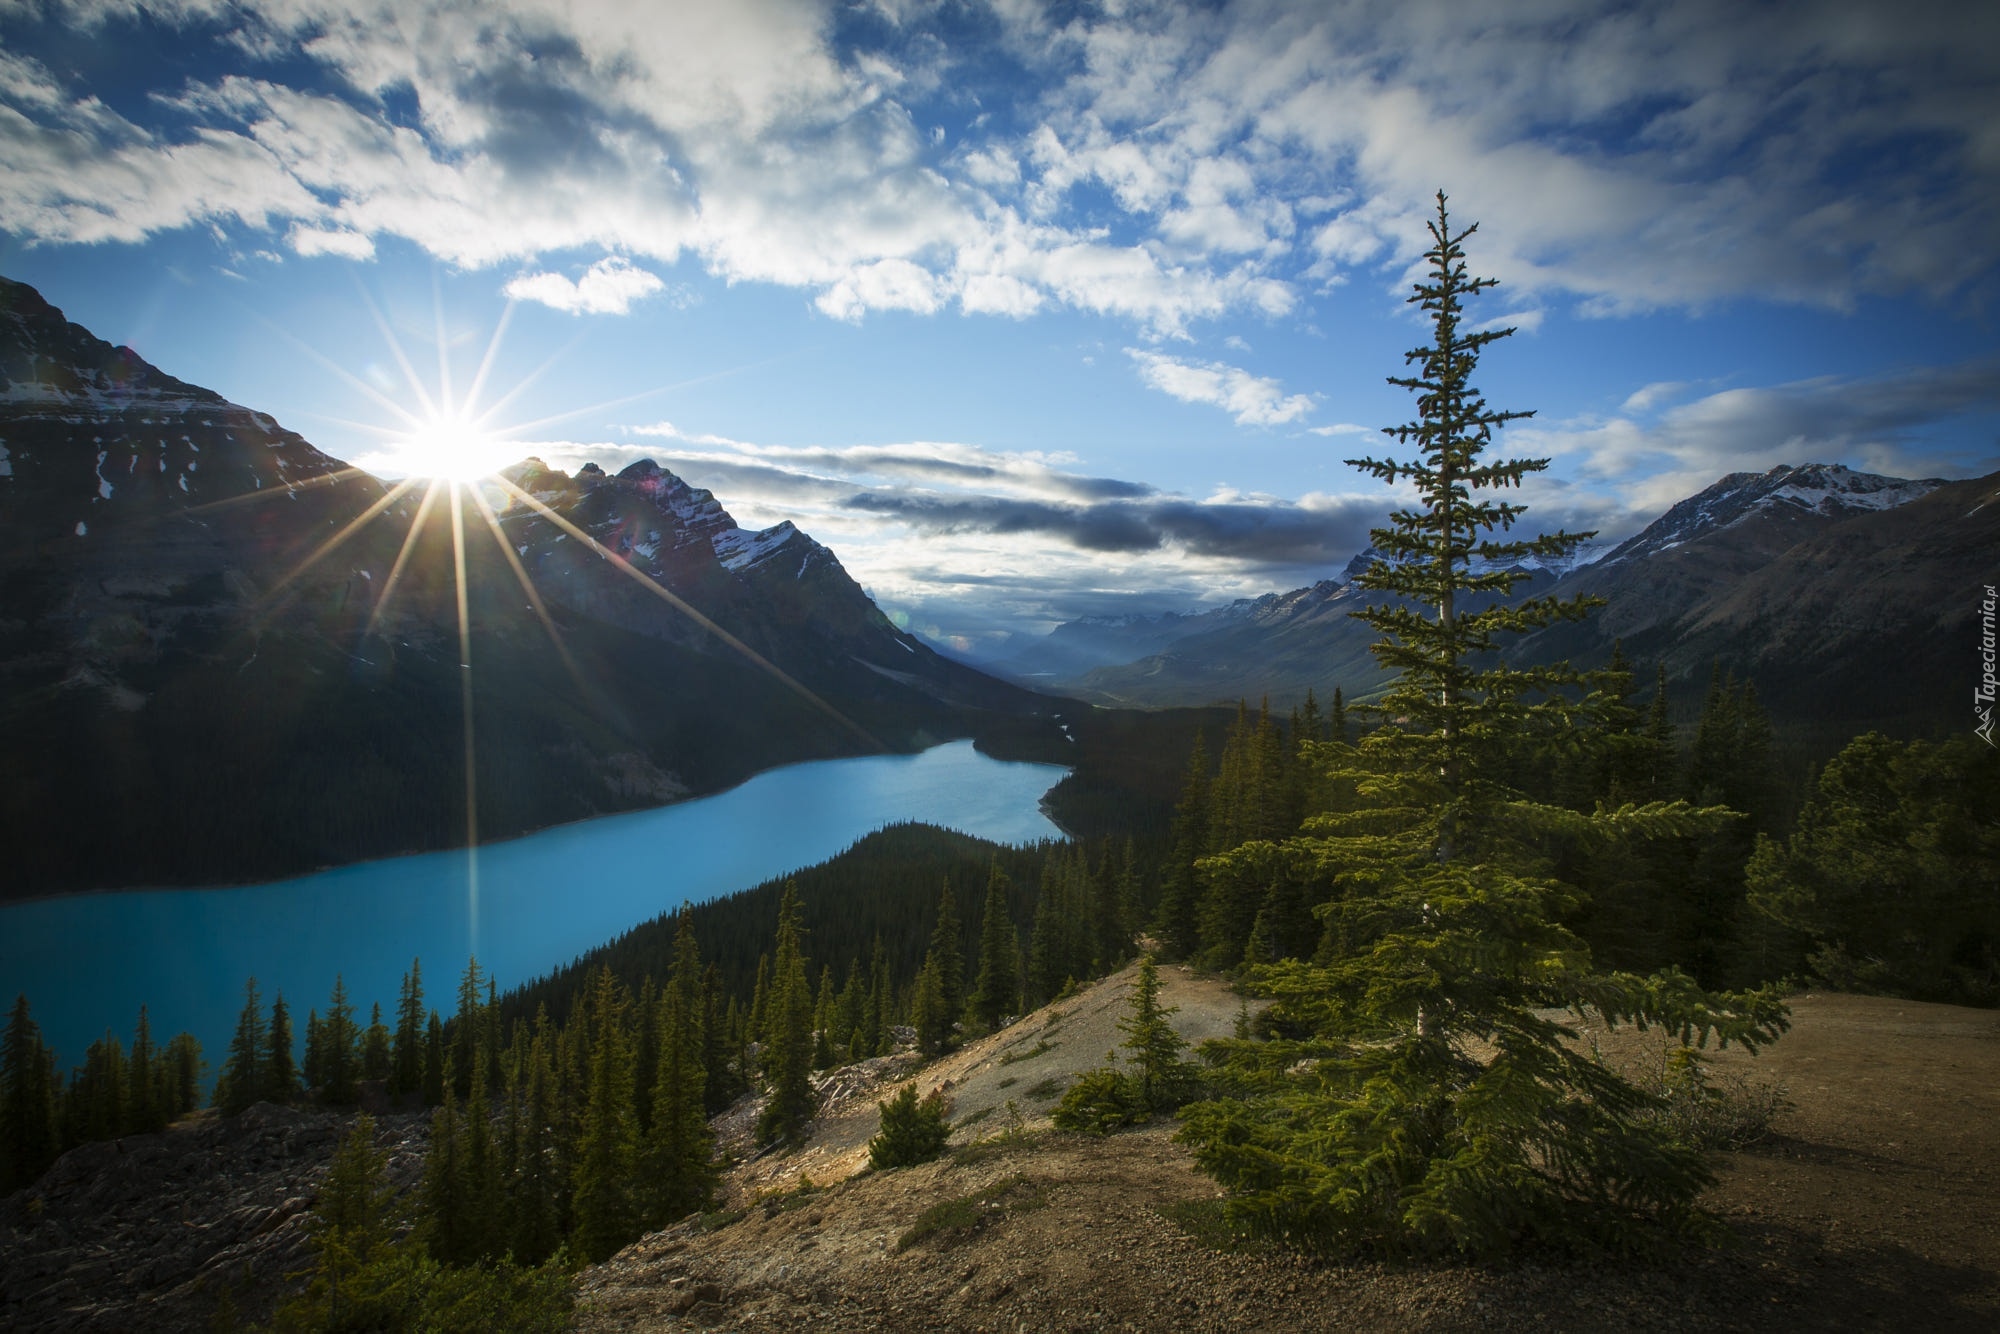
(1052, 1087)
(720, 1219)
(1041, 1048)
(952, 1221)
(798, 1197)
(1705, 1108)
(973, 1118)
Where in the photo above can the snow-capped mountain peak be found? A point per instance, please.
(1784, 495)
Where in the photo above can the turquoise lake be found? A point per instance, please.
(88, 962)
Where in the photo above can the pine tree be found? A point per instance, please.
(913, 1130)
(313, 1069)
(450, 1211)
(1046, 962)
(1892, 877)
(682, 1148)
(940, 995)
(406, 1076)
(881, 1000)
(788, 1031)
(99, 1094)
(281, 1073)
(948, 948)
(607, 1215)
(434, 1060)
(143, 1103)
(534, 1191)
(1181, 895)
(181, 1069)
(721, 1042)
(760, 999)
(1378, 1129)
(242, 1084)
(341, 1041)
(464, 1027)
(823, 1019)
(645, 1050)
(1157, 1069)
(376, 1060)
(996, 992)
(853, 1009)
(352, 1234)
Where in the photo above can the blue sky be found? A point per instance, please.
(1033, 310)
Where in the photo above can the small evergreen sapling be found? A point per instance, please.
(913, 1130)
(1154, 1079)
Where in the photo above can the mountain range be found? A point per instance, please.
(1849, 599)
(225, 655)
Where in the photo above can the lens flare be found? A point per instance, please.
(452, 447)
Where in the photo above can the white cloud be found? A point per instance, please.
(1008, 537)
(1161, 164)
(1647, 397)
(1253, 400)
(608, 287)
(1632, 468)
(310, 241)
(1340, 428)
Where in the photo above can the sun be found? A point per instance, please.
(448, 446)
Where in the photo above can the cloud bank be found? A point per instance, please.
(1156, 163)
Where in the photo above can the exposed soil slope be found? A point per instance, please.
(1874, 1206)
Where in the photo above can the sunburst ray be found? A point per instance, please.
(675, 601)
(533, 594)
(465, 712)
(402, 558)
(270, 492)
(325, 548)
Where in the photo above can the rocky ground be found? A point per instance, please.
(1874, 1204)
(177, 1231)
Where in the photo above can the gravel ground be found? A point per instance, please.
(1872, 1206)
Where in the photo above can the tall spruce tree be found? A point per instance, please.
(607, 1212)
(406, 1067)
(996, 991)
(1430, 1104)
(375, 1050)
(342, 1049)
(143, 1103)
(1180, 896)
(681, 1150)
(281, 1072)
(788, 1030)
(242, 1082)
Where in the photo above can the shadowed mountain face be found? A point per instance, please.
(1850, 599)
(204, 677)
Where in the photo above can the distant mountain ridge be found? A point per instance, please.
(1762, 573)
(201, 681)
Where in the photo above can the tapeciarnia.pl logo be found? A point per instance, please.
(1982, 694)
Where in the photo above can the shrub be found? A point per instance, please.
(1101, 1101)
(913, 1130)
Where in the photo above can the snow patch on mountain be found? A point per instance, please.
(739, 549)
(1827, 490)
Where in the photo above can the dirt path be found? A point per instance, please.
(1873, 1207)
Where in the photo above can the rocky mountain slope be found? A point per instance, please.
(1845, 596)
(204, 675)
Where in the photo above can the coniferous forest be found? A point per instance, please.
(1408, 878)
